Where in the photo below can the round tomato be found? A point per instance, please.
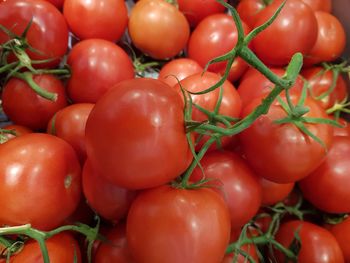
(96, 66)
(341, 231)
(332, 176)
(106, 19)
(135, 134)
(248, 10)
(40, 178)
(320, 5)
(178, 225)
(294, 30)
(48, 33)
(158, 28)
(25, 107)
(318, 245)
(273, 193)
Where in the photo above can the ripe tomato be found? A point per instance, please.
(179, 68)
(48, 33)
(343, 131)
(69, 124)
(38, 169)
(62, 248)
(320, 5)
(135, 134)
(282, 153)
(178, 225)
(318, 245)
(248, 10)
(341, 233)
(109, 201)
(106, 19)
(216, 34)
(96, 65)
(332, 176)
(25, 107)
(196, 10)
(273, 193)
(237, 183)
(331, 39)
(294, 30)
(158, 28)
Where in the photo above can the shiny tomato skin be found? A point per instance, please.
(274, 150)
(103, 19)
(318, 245)
(96, 66)
(331, 39)
(294, 30)
(196, 10)
(273, 193)
(38, 169)
(62, 248)
(248, 10)
(178, 69)
(109, 201)
(320, 5)
(69, 124)
(25, 107)
(158, 28)
(135, 134)
(190, 225)
(238, 184)
(48, 33)
(332, 176)
(341, 233)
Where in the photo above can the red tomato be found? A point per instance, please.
(178, 225)
(320, 81)
(196, 10)
(326, 187)
(213, 37)
(318, 245)
(249, 249)
(109, 201)
(253, 84)
(294, 30)
(135, 135)
(158, 28)
(273, 193)
(38, 169)
(116, 248)
(96, 66)
(48, 33)
(237, 183)
(320, 5)
(282, 153)
(106, 19)
(18, 129)
(25, 107)
(62, 248)
(344, 131)
(341, 233)
(249, 9)
(179, 68)
(69, 124)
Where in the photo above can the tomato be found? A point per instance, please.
(217, 35)
(106, 19)
(135, 134)
(178, 69)
(318, 245)
(320, 81)
(116, 248)
(69, 124)
(40, 179)
(282, 153)
(341, 233)
(18, 129)
(25, 107)
(62, 248)
(294, 30)
(230, 104)
(178, 225)
(48, 33)
(237, 183)
(109, 201)
(253, 84)
(249, 249)
(248, 10)
(332, 176)
(343, 131)
(320, 5)
(273, 193)
(158, 28)
(96, 65)
(196, 10)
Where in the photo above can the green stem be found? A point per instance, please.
(8, 67)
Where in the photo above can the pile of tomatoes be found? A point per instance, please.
(173, 131)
